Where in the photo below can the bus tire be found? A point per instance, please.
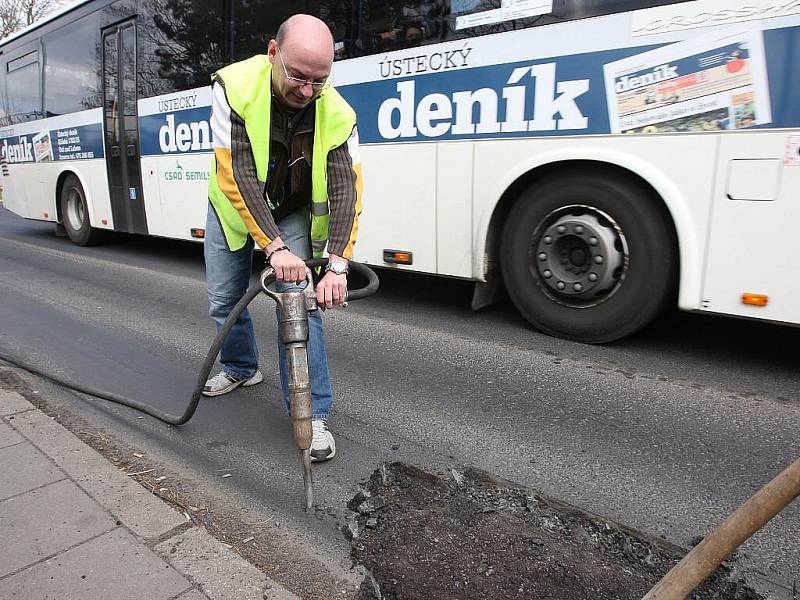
(589, 256)
(75, 214)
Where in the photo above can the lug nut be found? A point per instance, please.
(547, 274)
(548, 239)
(593, 241)
(579, 229)
(592, 276)
(560, 285)
(561, 229)
(577, 287)
(542, 256)
(598, 260)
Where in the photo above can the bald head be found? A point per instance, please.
(302, 51)
(311, 34)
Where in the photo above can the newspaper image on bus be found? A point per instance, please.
(508, 11)
(711, 83)
(42, 148)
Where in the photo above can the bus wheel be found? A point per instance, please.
(75, 214)
(588, 257)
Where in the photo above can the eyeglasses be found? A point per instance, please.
(316, 85)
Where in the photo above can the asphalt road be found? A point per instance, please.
(667, 431)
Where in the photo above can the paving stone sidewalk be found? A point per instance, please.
(72, 526)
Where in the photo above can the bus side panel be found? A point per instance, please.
(41, 205)
(40, 151)
(9, 197)
(679, 169)
(401, 179)
(176, 193)
(92, 175)
(98, 197)
(754, 241)
(15, 194)
(176, 153)
(454, 209)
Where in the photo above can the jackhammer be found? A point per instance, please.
(293, 331)
(293, 334)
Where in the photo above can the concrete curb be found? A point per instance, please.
(78, 527)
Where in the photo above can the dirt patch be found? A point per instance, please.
(469, 536)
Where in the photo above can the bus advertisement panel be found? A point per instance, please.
(712, 82)
(77, 136)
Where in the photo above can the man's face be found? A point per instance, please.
(298, 74)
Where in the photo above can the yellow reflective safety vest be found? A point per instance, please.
(248, 91)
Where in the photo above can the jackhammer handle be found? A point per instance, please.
(358, 268)
(268, 276)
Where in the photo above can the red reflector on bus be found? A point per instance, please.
(46, 216)
(198, 233)
(398, 257)
(104, 221)
(755, 299)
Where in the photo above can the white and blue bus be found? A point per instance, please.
(600, 160)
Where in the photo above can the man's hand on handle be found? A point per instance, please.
(289, 268)
(332, 288)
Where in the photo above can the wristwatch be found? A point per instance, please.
(337, 266)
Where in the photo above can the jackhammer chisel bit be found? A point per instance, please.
(300, 394)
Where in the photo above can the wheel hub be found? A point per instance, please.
(75, 210)
(580, 255)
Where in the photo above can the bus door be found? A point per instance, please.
(122, 129)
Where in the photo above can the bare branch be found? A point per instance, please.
(16, 14)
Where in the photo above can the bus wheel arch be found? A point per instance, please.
(548, 269)
(72, 207)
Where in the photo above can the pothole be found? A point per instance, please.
(428, 537)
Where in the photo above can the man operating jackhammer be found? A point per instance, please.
(286, 176)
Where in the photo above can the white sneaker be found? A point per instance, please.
(322, 445)
(222, 383)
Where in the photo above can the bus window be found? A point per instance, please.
(395, 25)
(257, 22)
(72, 67)
(23, 87)
(180, 43)
(562, 11)
(580, 9)
(339, 17)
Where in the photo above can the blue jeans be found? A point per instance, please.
(228, 276)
